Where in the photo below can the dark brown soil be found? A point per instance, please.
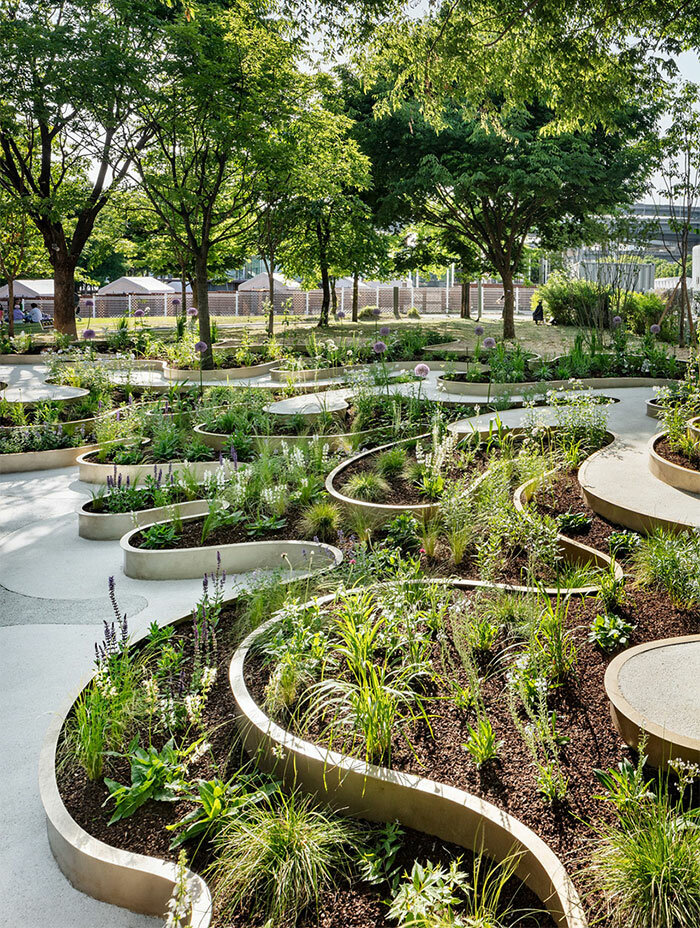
(346, 905)
(664, 450)
(403, 492)
(563, 495)
(582, 715)
(191, 534)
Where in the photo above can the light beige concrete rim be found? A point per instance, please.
(544, 386)
(336, 441)
(97, 472)
(380, 794)
(694, 429)
(682, 478)
(43, 460)
(662, 744)
(111, 526)
(218, 374)
(241, 557)
(378, 510)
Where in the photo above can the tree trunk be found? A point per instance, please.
(465, 307)
(685, 306)
(271, 311)
(355, 292)
(508, 304)
(325, 279)
(334, 299)
(195, 301)
(202, 289)
(11, 306)
(183, 295)
(64, 294)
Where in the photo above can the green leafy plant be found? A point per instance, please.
(482, 744)
(391, 463)
(610, 631)
(264, 524)
(279, 858)
(377, 863)
(574, 523)
(157, 775)
(161, 535)
(404, 532)
(622, 544)
(429, 895)
(367, 486)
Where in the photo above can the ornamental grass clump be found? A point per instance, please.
(670, 561)
(278, 859)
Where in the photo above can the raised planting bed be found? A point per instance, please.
(49, 458)
(395, 491)
(428, 769)
(100, 525)
(85, 845)
(219, 374)
(694, 429)
(474, 388)
(672, 467)
(653, 693)
(186, 557)
(94, 471)
(340, 441)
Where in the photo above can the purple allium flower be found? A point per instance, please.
(201, 347)
(379, 347)
(175, 302)
(139, 313)
(192, 311)
(376, 312)
(421, 370)
(385, 330)
(479, 330)
(89, 304)
(655, 329)
(617, 320)
(489, 342)
(340, 314)
(89, 333)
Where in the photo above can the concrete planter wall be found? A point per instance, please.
(190, 563)
(662, 742)
(282, 375)
(542, 386)
(654, 409)
(694, 429)
(43, 460)
(379, 794)
(343, 441)
(219, 375)
(92, 471)
(574, 552)
(682, 478)
(111, 526)
(377, 510)
(22, 359)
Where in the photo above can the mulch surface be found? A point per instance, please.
(562, 494)
(582, 714)
(664, 450)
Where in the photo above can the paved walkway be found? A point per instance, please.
(26, 383)
(52, 602)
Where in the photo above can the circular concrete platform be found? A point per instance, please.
(312, 405)
(654, 691)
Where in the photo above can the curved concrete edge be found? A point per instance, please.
(682, 478)
(343, 441)
(379, 794)
(543, 386)
(40, 358)
(653, 409)
(661, 744)
(289, 375)
(111, 526)
(94, 472)
(43, 460)
(220, 374)
(133, 881)
(694, 429)
(377, 510)
(575, 552)
(191, 563)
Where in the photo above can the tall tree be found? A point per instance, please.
(226, 75)
(72, 73)
(493, 188)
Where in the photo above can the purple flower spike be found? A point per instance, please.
(617, 320)
(479, 330)
(379, 347)
(655, 329)
(89, 333)
(385, 330)
(201, 347)
(489, 342)
(421, 370)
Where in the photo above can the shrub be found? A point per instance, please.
(403, 532)
(321, 520)
(574, 302)
(368, 312)
(413, 313)
(278, 860)
(610, 631)
(367, 486)
(390, 463)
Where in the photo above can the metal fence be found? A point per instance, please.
(427, 300)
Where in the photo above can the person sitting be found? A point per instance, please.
(538, 313)
(17, 314)
(34, 314)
